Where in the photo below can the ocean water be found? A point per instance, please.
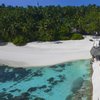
(66, 81)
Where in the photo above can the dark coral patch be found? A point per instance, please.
(32, 89)
(12, 74)
(38, 98)
(18, 90)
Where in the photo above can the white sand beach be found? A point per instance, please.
(45, 53)
(96, 80)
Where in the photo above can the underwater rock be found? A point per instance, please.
(53, 66)
(55, 82)
(12, 74)
(69, 63)
(35, 88)
(59, 68)
(21, 73)
(42, 87)
(4, 89)
(69, 97)
(6, 76)
(38, 73)
(38, 98)
(50, 80)
(62, 78)
(77, 84)
(47, 90)
(23, 96)
(32, 89)
(15, 90)
(62, 65)
(3, 67)
(5, 96)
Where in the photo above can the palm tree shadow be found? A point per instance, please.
(3, 43)
(58, 42)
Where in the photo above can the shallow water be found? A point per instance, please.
(67, 81)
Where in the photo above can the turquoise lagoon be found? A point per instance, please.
(66, 81)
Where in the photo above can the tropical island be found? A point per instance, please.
(39, 46)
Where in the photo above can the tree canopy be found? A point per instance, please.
(21, 25)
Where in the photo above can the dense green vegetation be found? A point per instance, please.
(21, 25)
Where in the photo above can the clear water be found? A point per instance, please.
(67, 81)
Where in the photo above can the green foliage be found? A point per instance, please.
(19, 40)
(76, 36)
(64, 38)
(21, 25)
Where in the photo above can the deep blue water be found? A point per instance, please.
(67, 81)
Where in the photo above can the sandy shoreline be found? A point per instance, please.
(46, 53)
(96, 80)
